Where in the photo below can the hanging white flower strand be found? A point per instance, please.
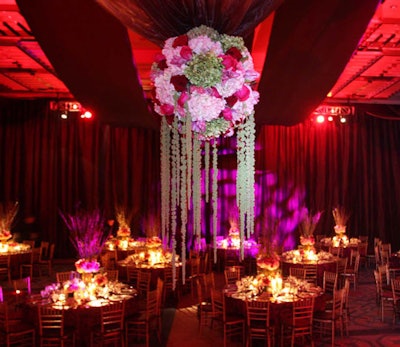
(245, 179)
(214, 196)
(174, 191)
(207, 169)
(165, 136)
(184, 168)
(197, 191)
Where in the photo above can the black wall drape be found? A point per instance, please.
(48, 165)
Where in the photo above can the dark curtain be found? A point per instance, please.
(320, 166)
(51, 165)
(48, 165)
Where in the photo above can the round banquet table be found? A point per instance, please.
(322, 265)
(16, 259)
(280, 310)
(343, 251)
(82, 318)
(157, 271)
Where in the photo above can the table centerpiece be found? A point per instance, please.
(88, 237)
(341, 218)
(307, 228)
(8, 212)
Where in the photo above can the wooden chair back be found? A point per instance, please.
(302, 320)
(112, 275)
(329, 283)
(44, 250)
(171, 283)
(23, 285)
(217, 305)
(52, 330)
(132, 275)
(258, 320)
(143, 286)
(386, 247)
(13, 333)
(341, 266)
(396, 289)
(385, 257)
(63, 276)
(232, 274)
(297, 272)
(311, 273)
(5, 266)
(112, 317)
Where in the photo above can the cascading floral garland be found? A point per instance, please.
(203, 83)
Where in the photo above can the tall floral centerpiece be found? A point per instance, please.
(87, 235)
(124, 230)
(307, 228)
(268, 260)
(8, 212)
(203, 88)
(341, 217)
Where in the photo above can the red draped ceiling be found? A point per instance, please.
(309, 45)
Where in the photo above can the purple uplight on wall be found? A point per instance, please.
(276, 202)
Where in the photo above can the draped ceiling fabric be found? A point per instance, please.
(310, 43)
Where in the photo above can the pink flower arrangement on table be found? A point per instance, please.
(8, 212)
(208, 77)
(5, 235)
(124, 231)
(268, 262)
(307, 240)
(153, 242)
(87, 266)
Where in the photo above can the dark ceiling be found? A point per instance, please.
(371, 75)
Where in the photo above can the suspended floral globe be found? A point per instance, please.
(206, 77)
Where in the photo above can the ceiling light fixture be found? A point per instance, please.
(333, 113)
(70, 108)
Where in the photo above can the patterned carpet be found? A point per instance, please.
(180, 324)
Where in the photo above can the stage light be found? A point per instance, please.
(87, 115)
(70, 109)
(333, 113)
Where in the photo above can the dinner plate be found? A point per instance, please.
(97, 303)
(119, 297)
(129, 291)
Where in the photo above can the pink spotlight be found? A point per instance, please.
(320, 119)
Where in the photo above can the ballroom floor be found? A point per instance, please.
(180, 321)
